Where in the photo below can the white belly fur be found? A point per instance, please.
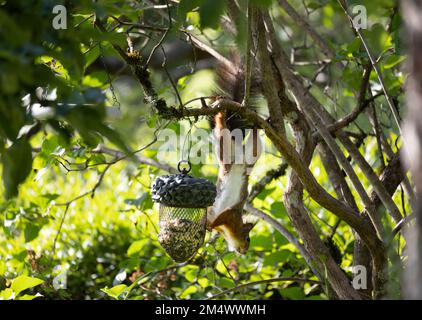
(230, 193)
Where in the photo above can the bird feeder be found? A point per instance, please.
(183, 203)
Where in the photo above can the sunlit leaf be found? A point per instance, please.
(23, 282)
(115, 291)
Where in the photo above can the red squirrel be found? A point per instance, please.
(236, 158)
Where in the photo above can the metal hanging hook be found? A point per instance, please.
(184, 170)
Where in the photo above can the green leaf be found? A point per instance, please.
(191, 274)
(378, 39)
(189, 290)
(23, 282)
(6, 294)
(210, 12)
(261, 242)
(11, 119)
(91, 55)
(136, 247)
(116, 291)
(354, 46)
(352, 76)
(266, 192)
(293, 293)
(95, 79)
(393, 60)
(31, 231)
(97, 158)
(186, 6)
(203, 282)
(17, 164)
(280, 240)
(152, 121)
(277, 257)
(278, 209)
(227, 283)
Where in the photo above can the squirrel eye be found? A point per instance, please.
(248, 239)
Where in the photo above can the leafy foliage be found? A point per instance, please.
(80, 224)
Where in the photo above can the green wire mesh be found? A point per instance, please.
(182, 231)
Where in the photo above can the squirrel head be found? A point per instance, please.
(242, 240)
(234, 230)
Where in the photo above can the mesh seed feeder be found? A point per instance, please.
(183, 203)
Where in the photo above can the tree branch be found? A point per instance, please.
(375, 66)
(302, 22)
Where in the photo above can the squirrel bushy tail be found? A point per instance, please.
(231, 84)
(231, 79)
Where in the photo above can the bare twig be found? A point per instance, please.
(90, 192)
(205, 47)
(173, 84)
(399, 226)
(60, 228)
(375, 66)
(249, 42)
(140, 158)
(302, 22)
(163, 37)
(138, 25)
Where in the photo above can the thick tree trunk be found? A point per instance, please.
(412, 13)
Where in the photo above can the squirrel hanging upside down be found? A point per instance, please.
(236, 156)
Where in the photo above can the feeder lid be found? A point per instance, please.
(183, 190)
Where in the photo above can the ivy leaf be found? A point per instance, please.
(17, 164)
